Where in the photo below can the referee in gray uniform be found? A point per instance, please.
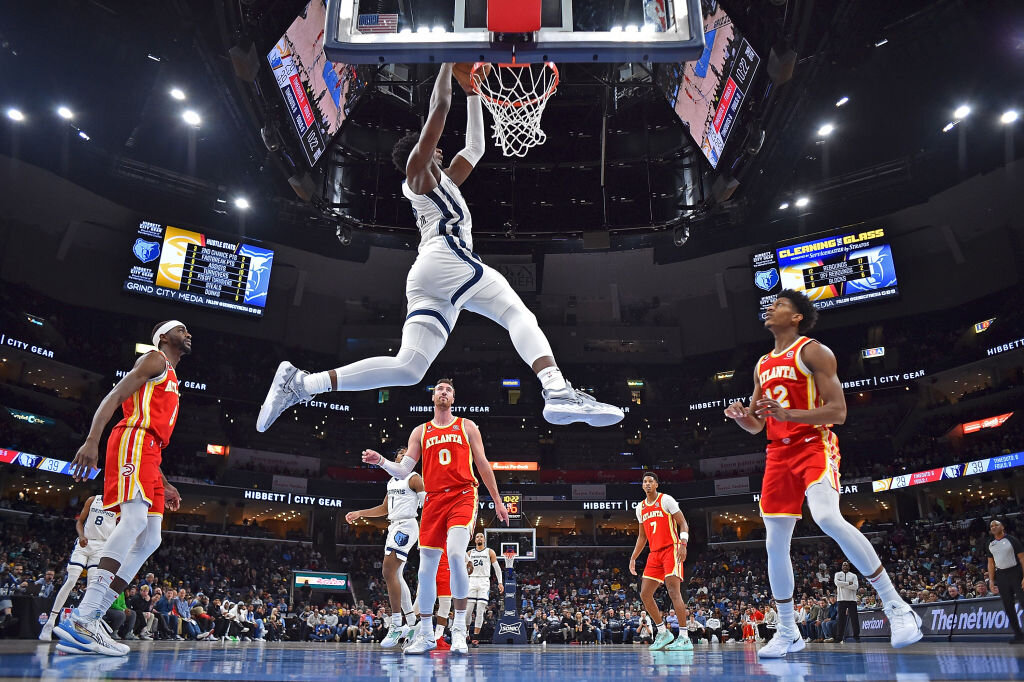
(1005, 576)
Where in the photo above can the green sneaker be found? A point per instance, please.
(682, 643)
(662, 640)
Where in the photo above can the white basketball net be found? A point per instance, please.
(516, 96)
(510, 558)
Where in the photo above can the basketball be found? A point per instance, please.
(463, 73)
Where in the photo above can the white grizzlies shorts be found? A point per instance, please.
(402, 537)
(447, 278)
(87, 557)
(480, 589)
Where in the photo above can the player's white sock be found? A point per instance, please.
(317, 382)
(438, 631)
(410, 619)
(883, 585)
(660, 626)
(396, 620)
(460, 620)
(95, 594)
(786, 617)
(551, 379)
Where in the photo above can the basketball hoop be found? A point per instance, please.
(516, 95)
(510, 557)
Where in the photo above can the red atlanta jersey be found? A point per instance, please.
(784, 377)
(154, 407)
(657, 521)
(447, 457)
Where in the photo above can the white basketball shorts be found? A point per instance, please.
(402, 537)
(87, 557)
(446, 279)
(480, 589)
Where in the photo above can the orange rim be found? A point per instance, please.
(514, 65)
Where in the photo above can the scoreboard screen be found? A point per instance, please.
(182, 265)
(835, 269)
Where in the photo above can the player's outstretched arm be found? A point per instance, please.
(147, 367)
(373, 512)
(417, 169)
(408, 463)
(476, 444)
(465, 161)
(822, 363)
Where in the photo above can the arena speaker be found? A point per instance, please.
(246, 62)
(724, 187)
(781, 62)
(303, 185)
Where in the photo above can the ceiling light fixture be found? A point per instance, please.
(881, 41)
(242, 203)
(842, 100)
(949, 126)
(1009, 116)
(961, 112)
(178, 94)
(15, 115)
(802, 201)
(65, 113)
(192, 118)
(826, 130)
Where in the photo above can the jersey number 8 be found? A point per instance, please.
(445, 457)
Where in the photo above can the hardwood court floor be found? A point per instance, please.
(312, 662)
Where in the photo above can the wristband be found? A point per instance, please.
(684, 536)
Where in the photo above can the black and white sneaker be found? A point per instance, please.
(569, 405)
(286, 390)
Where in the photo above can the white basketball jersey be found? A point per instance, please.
(442, 215)
(100, 522)
(402, 500)
(481, 561)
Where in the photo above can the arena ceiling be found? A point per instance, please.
(904, 67)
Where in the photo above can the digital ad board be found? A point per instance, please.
(182, 265)
(834, 269)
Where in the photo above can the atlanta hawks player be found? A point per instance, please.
(797, 395)
(663, 525)
(479, 561)
(449, 446)
(134, 486)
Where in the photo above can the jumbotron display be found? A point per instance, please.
(834, 269)
(182, 265)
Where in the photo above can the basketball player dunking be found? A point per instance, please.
(133, 484)
(404, 498)
(798, 397)
(480, 561)
(449, 446)
(446, 278)
(94, 526)
(663, 526)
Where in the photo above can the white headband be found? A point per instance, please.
(164, 328)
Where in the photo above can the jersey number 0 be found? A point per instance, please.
(445, 457)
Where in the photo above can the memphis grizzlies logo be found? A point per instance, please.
(883, 272)
(766, 279)
(260, 262)
(146, 251)
(401, 539)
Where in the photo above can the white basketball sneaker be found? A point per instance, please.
(286, 390)
(784, 642)
(569, 405)
(420, 645)
(408, 631)
(459, 644)
(88, 635)
(46, 634)
(394, 634)
(904, 625)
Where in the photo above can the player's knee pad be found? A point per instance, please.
(74, 573)
(444, 607)
(458, 538)
(481, 606)
(423, 339)
(153, 537)
(823, 502)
